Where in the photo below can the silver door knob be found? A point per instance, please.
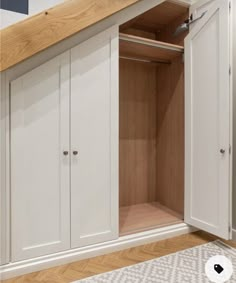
(75, 152)
(65, 152)
(222, 151)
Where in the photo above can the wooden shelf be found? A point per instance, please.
(139, 47)
(141, 217)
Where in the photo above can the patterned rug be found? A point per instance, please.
(187, 266)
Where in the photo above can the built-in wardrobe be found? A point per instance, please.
(122, 139)
(151, 108)
(175, 138)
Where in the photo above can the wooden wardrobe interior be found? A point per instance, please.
(152, 120)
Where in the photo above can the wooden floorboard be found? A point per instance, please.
(81, 269)
(146, 216)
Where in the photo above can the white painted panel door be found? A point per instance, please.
(208, 123)
(94, 135)
(40, 195)
(200, 7)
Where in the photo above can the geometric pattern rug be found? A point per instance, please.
(187, 266)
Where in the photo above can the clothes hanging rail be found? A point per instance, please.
(145, 60)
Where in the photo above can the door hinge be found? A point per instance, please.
(229, 228)
(229, 5)
(230, 149)
(230, 70)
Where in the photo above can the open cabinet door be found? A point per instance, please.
(208, 191)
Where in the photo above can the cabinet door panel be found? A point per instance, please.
(94, 134)
(39, 170)
(200, 7)
(208, 191)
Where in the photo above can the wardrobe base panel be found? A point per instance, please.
(146, 216)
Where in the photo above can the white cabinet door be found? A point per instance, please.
(200, 7)
(208, 192)
(94, 135)
(40, 172)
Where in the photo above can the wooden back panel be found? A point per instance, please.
(152, 133)
(137, 132)
(170, 135)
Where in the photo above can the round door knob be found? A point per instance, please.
(65, 152)
(75, 152)
(222, 151)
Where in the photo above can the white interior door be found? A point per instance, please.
(40, 172)
(208, 122)
(94, 139)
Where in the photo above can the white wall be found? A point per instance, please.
(234, 112)
(8, 18)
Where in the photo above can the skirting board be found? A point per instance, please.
(27, 266)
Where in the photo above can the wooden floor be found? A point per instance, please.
(146, 216)
(81, 269)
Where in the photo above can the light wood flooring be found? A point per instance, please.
(140, 217)
(84, 268)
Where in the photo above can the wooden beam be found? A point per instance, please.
(24, 39)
